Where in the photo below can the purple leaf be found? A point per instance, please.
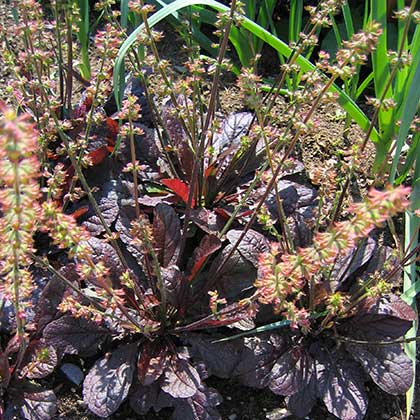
(384, 258)
(257, 360)
(299, 202)
(390, 305)
(201, 406)
(102, 251)
(226, 316)
(166, 233)
(172, 122)
(152, 362)
(180, 379)
(7, 312)
(340, 386)
(143, 398)
(207, 220)
(220, 359)
(172, 279)
(292, 372)
(107, 384)
(4, 370)
(233, 128)
(73, 372)
(31, 403)
(145, 147)
(301, 403)
(379, 319)
(74, 336)
(251, 246)
(348, 264)
(42, 361)
(388, 366)
(208, 245)
(123, 227)
(51, 297)
(107, 201)
(236, 276)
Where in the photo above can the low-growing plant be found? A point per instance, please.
(191, 226)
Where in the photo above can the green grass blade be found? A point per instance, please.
(344, 100)
(336, 31)
(380, 62)
(409, 111)
(361, 88)
(410, 284)
(265, 14)
(348, 20)
(124, 13)
(410, 272)
(415, 63)
(412, 291)
(412, 154)
(295, 19)
(264, 328)
(402, 74)
(83, 37)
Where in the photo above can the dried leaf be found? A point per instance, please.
(107, 384)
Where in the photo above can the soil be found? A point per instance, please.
(243, 403)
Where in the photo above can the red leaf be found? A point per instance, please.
(179, 188)
(222, 212)
(98, 155)
(210, 171)
(113, 128)
(208, 245)
(80, 212)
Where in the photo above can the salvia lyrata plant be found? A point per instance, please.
(170, 243)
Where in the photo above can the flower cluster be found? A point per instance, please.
(20, 212)
(283, 278)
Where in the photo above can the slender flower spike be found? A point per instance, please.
(19, 209)
(283, 280)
